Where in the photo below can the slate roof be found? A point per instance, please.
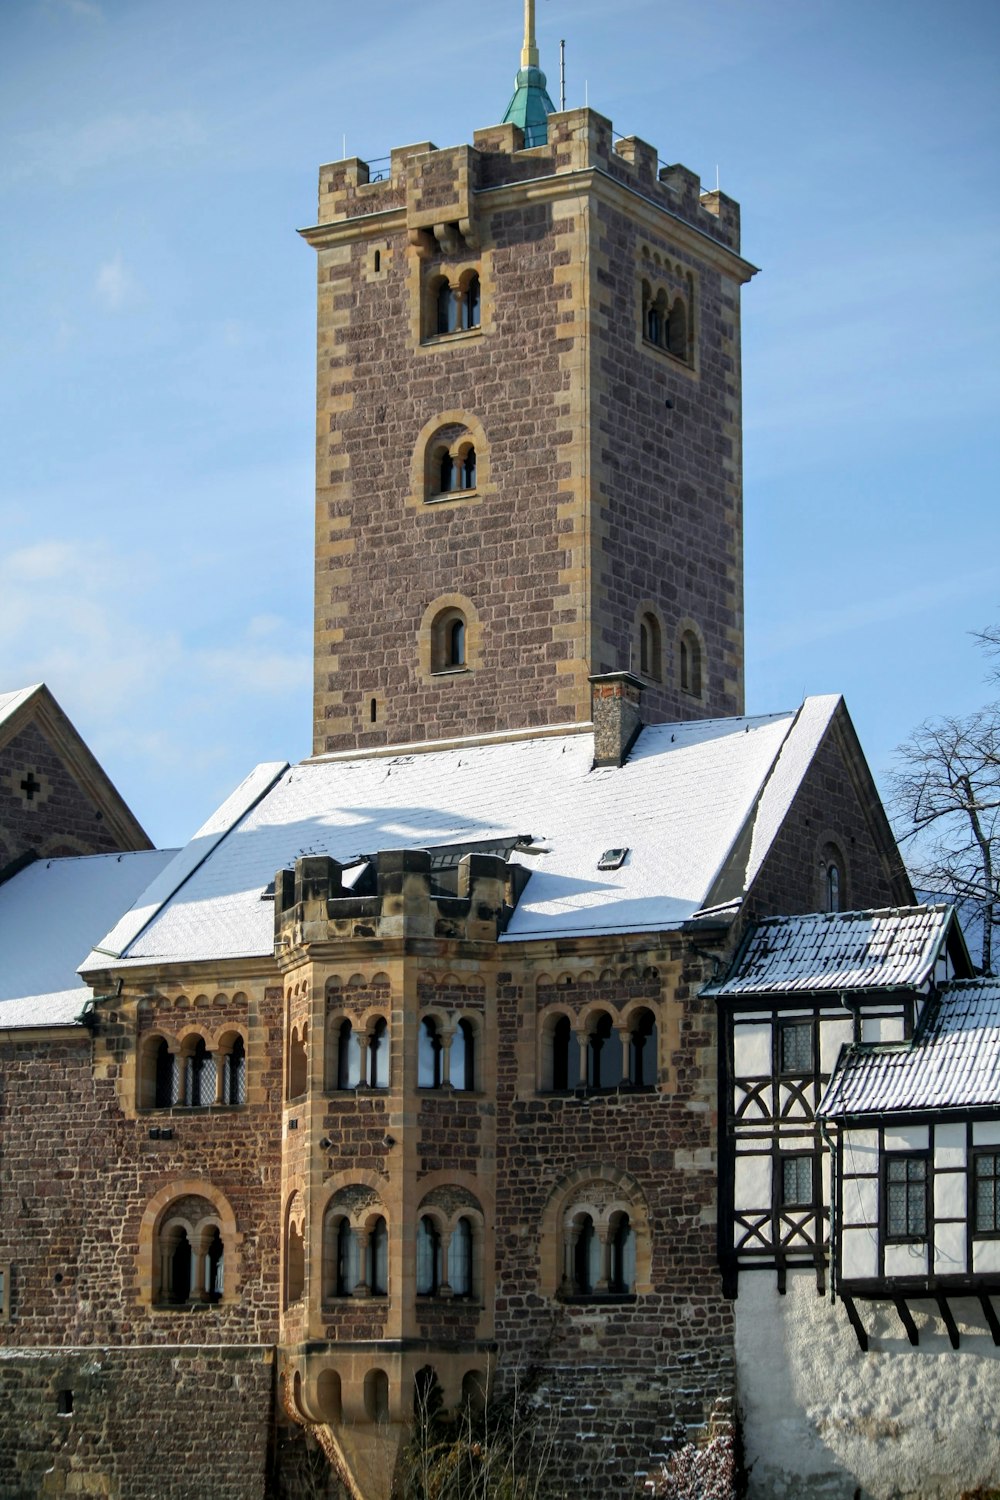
(49, 914)
(953, 1061)
(856, 950)
(693, 800)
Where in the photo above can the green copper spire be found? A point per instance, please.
(531, 106)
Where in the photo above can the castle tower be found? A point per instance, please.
(528, 432)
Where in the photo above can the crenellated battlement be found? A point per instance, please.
(436, 188)
(399, 894)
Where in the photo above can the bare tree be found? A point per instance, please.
(945, 796)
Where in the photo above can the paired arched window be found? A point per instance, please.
(691, 664)
(361, 1263)
(446, 1058)
(452, 470)
(612, 1055)
(191, 1254)
(565, 1052)
(234, 1073)
(355, 1056)
(453, 306)
(447, 1252)
(599, 1257)
(666, 320)
(603, 1066)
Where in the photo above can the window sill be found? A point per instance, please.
(351, 1299)
(597, 1299)
(465, 1300)
(456, 336)
(450, 672)
(448, 495)
(678, 359)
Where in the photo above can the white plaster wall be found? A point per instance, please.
(823, 1421)
(752, 1050)
(832, 1036)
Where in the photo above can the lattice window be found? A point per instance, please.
(987, 1176)
(906, 1197)
(795, 1047)
(797, 1181)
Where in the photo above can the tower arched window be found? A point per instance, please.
(429, 1264)
(565, 1055)
(199, 1076)
(460, 1259)
(621, 1247)
(650, 647)
(166, 1078)
(586, 1256)
(214, 1263)
(378, 1259)
(446, 474)
(348, 1260)
(348, 1057)
(471, 303)
(601, 1070)
(677, 335)
(429, 1051)
(462, 1069)
(691, 664)
(642, 1050)
(378, 1055)
(234, 1074)
(445, 307)
(469, 469)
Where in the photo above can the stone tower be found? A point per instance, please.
(528, 432)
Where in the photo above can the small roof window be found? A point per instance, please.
(612, 859)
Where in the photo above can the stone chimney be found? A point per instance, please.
(614, 698)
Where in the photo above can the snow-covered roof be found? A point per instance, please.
(953, 1061)
(11, 702)
(851, 950)
(49, 914)
(687, 797)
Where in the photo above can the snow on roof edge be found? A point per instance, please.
(208, 837)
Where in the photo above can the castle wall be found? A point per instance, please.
(823, 1421)
(146, 1424)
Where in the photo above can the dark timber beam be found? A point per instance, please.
(856, 1323)
(906, 1318)
(944, 1309)
(989, 1313)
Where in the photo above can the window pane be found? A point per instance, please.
(796, 1047)
(797, 1180)
(988, 1193)
(906, 1197)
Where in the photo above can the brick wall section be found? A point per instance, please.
(837, 801)
(59, 818)
(631, 1376)
(78, 1172)
(146, 1424)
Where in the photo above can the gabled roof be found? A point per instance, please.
(36, 706)
(49, 914)
(953, 1061)
(854, 950)
(680, 805)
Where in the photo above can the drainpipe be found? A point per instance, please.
(825, 1133)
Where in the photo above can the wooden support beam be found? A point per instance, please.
(856, 1323)
(990, 1314)
(944, 1309)
(906, 1318)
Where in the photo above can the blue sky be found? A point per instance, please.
(157, 370)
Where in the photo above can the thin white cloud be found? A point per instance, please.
(115, 286)
(68, 151)
(89, 9)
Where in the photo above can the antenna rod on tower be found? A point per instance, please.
(562, 74)
(529, 52)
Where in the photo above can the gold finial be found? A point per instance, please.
(529, 52)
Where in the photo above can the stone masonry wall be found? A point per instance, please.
(828, 808)
(146, 1424)
(625, 1377)
(42, 808)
